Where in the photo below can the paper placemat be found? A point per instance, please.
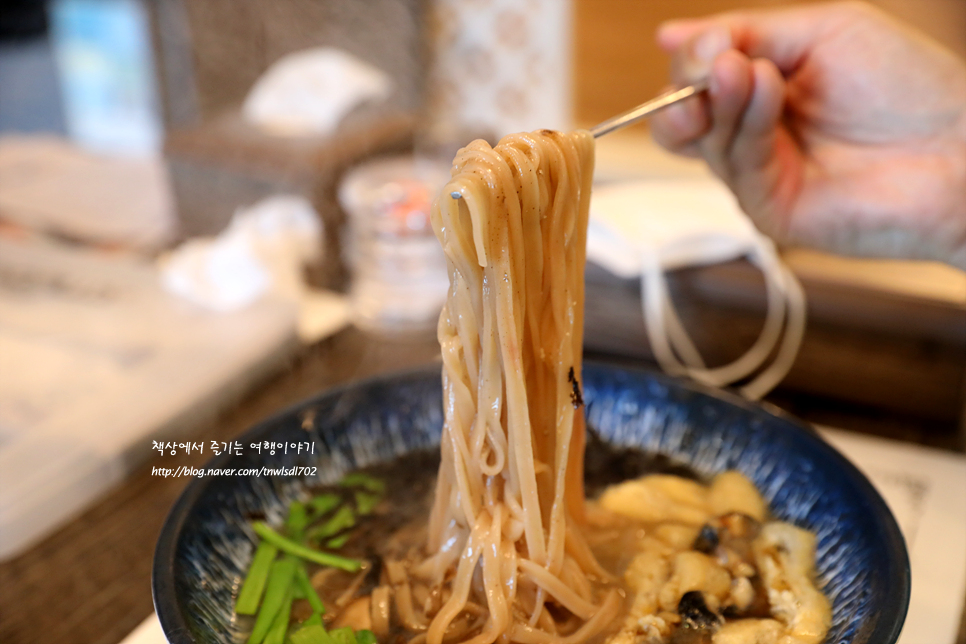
(149, 632)
(924, 490)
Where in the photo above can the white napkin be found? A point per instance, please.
(684, 222)
(645, 228)
(310, 91)
(261, 252)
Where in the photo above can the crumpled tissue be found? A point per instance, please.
(309, 92)
(262, 251)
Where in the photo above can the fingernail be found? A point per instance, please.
(711, 43)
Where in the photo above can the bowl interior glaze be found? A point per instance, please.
(863, 567)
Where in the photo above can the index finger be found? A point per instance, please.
(783, 36)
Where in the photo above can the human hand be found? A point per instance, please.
(835, 126)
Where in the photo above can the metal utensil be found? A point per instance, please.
(646, 109)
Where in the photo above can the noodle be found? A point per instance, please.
(513, 224)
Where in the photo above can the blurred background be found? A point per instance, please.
(210, 209)
(216, 52)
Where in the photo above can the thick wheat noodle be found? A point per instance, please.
(567, 597)
(604, 615)
(461, 587)
(576, 578)
(351, 589)
(509, 573)
(475, 609)
(546, 623)
(510, 486)
(580, 551)
(380, 611)
(404, 606)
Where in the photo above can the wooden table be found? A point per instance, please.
(90, 582)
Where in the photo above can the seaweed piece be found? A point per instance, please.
(695, 613)
(707, 540)
(576, 397)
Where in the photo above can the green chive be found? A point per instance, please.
(358, 479)
(366, 502)
(297, 549)
(366, 637)
(324, 503)
(276, 634)
(254, 584)
(276, 593)
(343, 519)
(297, 520)
(313, 634)
(337, 542)
(303, 582)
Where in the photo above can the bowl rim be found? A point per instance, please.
(888, 621)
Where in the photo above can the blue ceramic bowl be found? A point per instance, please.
(205, 545)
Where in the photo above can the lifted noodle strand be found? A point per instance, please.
(512, 334)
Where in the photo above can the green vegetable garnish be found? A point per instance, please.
(254, 584)
(297, 549)
(324, 503)
(366, 502)
(276, 634)
(303, 582)
(312, 634)
(343, 636)
(297, 520)
(343, 519)
(366, 637)
(276, 593)
(358, 479)
(337, 542)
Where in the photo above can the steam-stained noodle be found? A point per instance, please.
(511, 551)
(509, 498)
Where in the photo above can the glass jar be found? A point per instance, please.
(399, 279)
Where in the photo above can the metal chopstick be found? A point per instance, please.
(646, 109)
